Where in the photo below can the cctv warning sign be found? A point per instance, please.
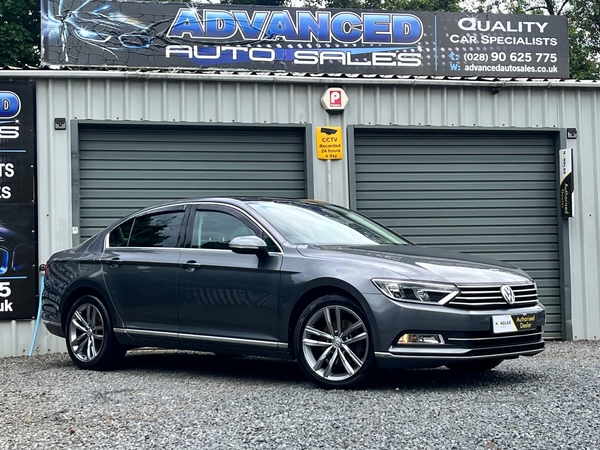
(330, 143)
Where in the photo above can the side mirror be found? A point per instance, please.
(249, 245)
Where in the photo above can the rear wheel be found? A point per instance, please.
(333, 343)
(89, 335)
(474, 366)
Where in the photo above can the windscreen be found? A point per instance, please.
(323, 224)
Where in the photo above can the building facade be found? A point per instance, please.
(468, 165)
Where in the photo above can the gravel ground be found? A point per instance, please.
(173, 400)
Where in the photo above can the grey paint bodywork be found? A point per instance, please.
(260, 319)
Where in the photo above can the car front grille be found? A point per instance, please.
(489, 297)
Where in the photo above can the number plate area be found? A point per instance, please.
(510, 324)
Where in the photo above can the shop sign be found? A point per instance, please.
(257, 38)
(18, 225)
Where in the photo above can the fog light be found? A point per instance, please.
(421, 339)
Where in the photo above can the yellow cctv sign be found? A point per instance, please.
(330, 143)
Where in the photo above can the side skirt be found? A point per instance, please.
(216, 344)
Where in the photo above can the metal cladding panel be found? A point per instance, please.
(201, 98)
(124, 168)
(16, 336)
(581, 110)
(490, 194)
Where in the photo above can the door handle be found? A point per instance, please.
(190, 265)
(113, 262)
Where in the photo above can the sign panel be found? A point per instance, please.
(18, 240)
(510, 324)
(243, 37)
(330, 143)
(566, 182)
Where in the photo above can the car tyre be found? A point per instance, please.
(474, 366)
(89, 335)
(333, 344)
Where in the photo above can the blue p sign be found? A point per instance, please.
(10, 105)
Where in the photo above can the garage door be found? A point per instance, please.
(491, 194)
(126, 167)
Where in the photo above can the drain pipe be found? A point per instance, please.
(39, 313)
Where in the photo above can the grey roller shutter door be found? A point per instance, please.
(491, 194)
(126, 167)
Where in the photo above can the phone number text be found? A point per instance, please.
(512, 57)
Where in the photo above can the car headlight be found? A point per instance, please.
(91, 35)
(409, 291)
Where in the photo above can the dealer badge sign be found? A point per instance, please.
(566, 182)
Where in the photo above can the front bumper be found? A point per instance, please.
(468, 347)
(464, 334)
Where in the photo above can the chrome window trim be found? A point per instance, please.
(245, 214)
(196, 203)
(203, 250)
(140, 213)
(203, 338)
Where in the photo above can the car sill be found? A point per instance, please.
(202, 338)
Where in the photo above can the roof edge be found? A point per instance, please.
(287, 78)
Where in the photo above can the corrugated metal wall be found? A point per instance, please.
(190, 98)
(481, 192)
(126, 168)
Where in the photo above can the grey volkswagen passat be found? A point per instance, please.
(296, 279)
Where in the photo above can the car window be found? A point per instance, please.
(156, 230)
(214, 230)
(321, 224)
(119, 237)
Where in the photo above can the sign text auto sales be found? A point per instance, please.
(134, 34)
(345, 28)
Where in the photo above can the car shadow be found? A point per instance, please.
(214, 366)
(250, 368)
(445, 379)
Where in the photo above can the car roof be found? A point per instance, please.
(229, 200)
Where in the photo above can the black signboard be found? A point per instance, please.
(566, 182)
(214, 36)
(18, 224)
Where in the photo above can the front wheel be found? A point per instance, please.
(90, 339)
(333, 343)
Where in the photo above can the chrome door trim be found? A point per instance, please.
(202, 338)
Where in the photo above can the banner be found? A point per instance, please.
(18, 224)
(256, 38)
(566, 182)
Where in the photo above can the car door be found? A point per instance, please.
(141, 267)
(222, 293)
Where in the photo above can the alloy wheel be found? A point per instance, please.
(86, 332)
(335, 343)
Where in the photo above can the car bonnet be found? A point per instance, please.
(423, 263)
